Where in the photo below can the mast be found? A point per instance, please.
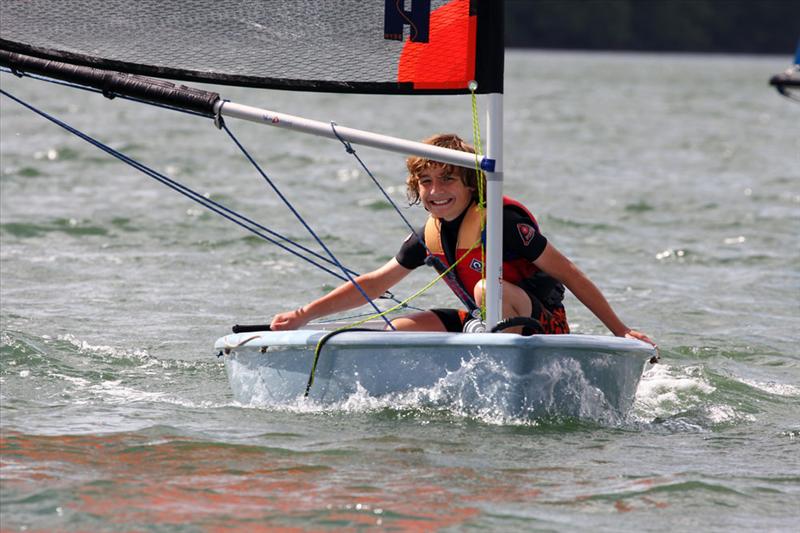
(494, 211)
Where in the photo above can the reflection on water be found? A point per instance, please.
(134, 481)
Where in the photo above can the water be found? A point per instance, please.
(672, 180)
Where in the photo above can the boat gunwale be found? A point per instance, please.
(394, 339)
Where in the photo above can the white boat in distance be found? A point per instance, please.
(584, 376)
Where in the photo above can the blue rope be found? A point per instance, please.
(431, 259)
(350, 150)
(194, 195)
(189, 193)
(304, 223)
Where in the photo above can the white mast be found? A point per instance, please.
(494, 212)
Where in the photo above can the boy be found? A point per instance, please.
(534, 271)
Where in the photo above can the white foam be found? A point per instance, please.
(110, 351)
(719, 414)
(80, 382)
(663, 382)
(772, 387)
(116, 393)
(665, 389)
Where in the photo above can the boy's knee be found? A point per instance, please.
(478, 290)
(398, 324)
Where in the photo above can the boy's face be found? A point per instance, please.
(443, 195)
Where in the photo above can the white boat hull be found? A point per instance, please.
(583, 376)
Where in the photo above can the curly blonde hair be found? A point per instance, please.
(417, 165)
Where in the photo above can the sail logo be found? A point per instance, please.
(476, 265)
(418, 19)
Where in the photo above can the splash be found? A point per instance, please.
(51, 371)
(683, 399)
(482, 388)
(104, 351)
(774, 388)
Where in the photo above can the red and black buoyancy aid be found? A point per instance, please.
(468, 271)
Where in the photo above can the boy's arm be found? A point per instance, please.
(557, 265)
(344, 297)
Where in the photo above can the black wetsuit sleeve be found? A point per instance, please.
(412, 253)
(521, 236)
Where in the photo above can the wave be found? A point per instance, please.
(699, 397)
(677, 397)
(73, 227)
(73, 373)
(68, 373)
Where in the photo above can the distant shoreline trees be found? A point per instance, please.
(727, 26)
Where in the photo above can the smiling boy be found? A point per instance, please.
(534, 271)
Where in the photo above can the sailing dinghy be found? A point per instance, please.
(415, 47)
(787, 82)
(505, 374)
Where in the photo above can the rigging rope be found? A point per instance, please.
(302, 221)
(192, 194)
(354, 326)
(442, 273)
(241, 220)
(476, 142)
(186, 191)
(447, 275)
(216, 207)
(350, 150)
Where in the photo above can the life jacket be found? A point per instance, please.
(468, 270)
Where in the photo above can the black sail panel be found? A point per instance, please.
(364, 46)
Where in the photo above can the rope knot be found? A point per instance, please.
(219, 122)
(347, 146)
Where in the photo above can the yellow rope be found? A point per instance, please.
(401, 304)
(415, 295)
(476, 141)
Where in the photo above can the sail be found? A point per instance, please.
(364, 46)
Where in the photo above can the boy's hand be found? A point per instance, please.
(633, 334)
(289, 320)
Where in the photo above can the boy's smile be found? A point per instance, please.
(442, 194)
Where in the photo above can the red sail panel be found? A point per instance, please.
(447, 61)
